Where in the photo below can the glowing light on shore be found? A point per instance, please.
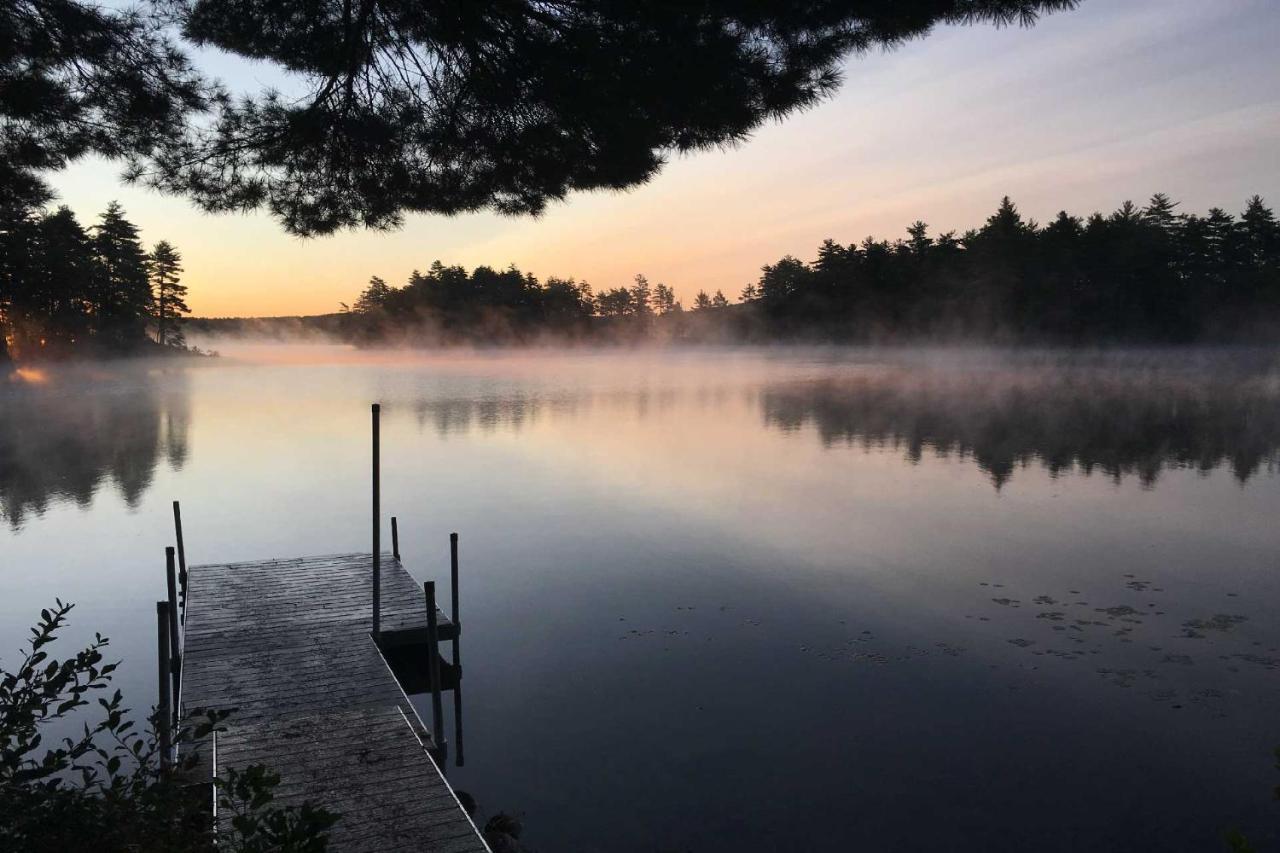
(30, 375)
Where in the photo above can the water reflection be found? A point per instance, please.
(63, 432)
(1119, 423)
(685, 551)
(62, 436)
(458, 416)
(1130, 420)
(513, 411)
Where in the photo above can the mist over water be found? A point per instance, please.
(717, 599)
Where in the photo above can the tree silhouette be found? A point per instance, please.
(1140, 274)
(121, 290)
(665, 302)
(1149, 274)
(47, 293)
(375, 296)
(63, 289)
(168, 292)
(17, 247)
(614, 303)
(79, 78)
(641, 299)
(426, 106)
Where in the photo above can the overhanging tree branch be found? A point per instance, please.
(438, 106)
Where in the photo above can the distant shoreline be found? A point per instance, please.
(147, 350)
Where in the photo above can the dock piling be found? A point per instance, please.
(164, 671)
(377, 526)
(182, 555)
(433, 667)
(457, 653)
(175, 643)
(395, 539)
(453, 576)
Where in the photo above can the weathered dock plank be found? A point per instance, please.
(287, 644)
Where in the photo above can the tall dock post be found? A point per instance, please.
(433, 666)
(175, 644)
(164, 667)
(377, 527)
(457, 654)
(182, 556)
(395, 539)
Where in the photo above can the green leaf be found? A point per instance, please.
(1237, 843)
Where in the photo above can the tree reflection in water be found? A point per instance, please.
(1081, 419)
(63, 432)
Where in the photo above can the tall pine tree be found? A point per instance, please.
(168, 293)
(18, 242)
(60, 279)
(121, 293)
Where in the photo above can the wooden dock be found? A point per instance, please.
(288, 643)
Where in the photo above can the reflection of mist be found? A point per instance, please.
(1103, 414)
(513, 412)
(458, 416)
(61, 438)
(1116, 422)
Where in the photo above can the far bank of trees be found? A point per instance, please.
(1138, 275)
(448, 305)
(66, 289)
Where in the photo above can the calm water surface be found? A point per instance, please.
(724, 601)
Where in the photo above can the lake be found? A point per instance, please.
(727, 600)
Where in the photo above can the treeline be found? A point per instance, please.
(1138, 275)
(449, 305)
(66, 289)
(1147, 274)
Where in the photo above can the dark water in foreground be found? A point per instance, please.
(721, 601)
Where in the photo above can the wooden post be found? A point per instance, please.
(433, 666)
(377, 532)
(395, 539)
(163, 715)
(175, 644)
(453, 576)
(182, 558)
(457, 653)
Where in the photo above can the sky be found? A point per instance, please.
(1116, 100)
